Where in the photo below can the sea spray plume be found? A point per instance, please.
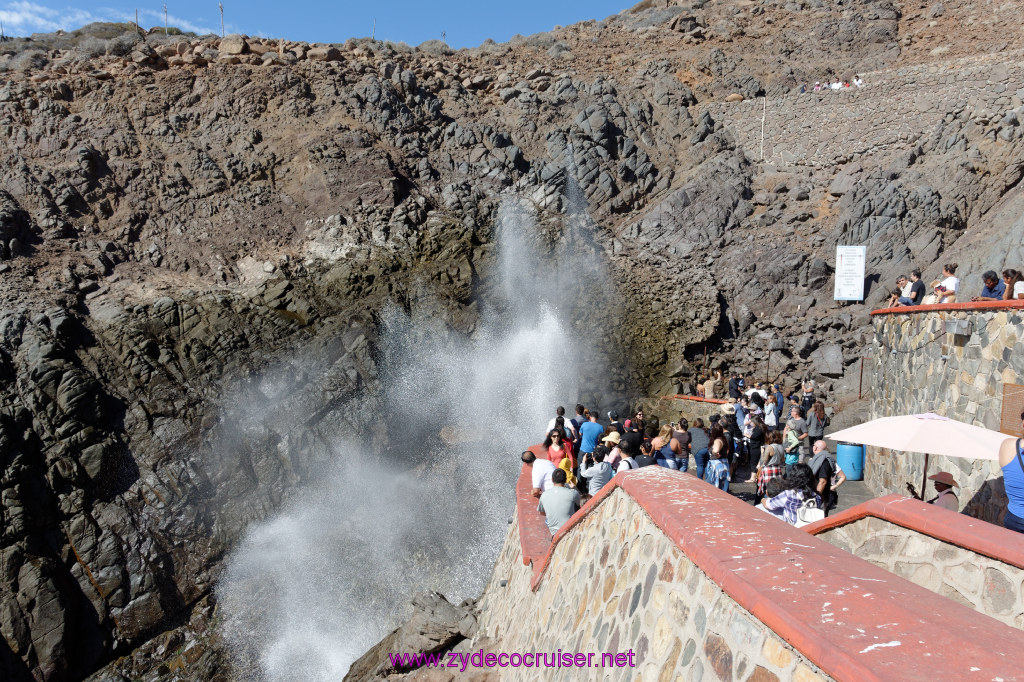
(307, 592)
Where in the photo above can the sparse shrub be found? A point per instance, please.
(435, 47)
(558, 48)
(540, 40)
(122, 44)
(105, 30)
(32, 60)
(91, 47)
(400, 47)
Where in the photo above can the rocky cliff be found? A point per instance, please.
(181, 217)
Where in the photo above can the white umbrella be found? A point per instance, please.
(929, 433)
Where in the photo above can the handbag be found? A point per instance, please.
(808, 513)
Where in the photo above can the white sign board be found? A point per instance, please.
(850, 263)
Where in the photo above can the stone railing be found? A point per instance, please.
(671, 407)
(972, 562)
(690, 582)
(923, 368)
(892, 111)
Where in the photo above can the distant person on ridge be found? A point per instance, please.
(559, 503)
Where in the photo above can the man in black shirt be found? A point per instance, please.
(916, 290)
(634, 438)
(645, 458)
(734, 386)
(821, 465)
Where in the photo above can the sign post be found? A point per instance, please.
(850, 264)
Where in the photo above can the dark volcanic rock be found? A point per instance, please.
(435, 626)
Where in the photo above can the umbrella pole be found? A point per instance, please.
(924, 476)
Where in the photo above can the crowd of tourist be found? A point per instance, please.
(912, 291)
(779, 439)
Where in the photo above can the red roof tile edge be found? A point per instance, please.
(984, 306)
(696, 398)
(961, 530)
(685, 509)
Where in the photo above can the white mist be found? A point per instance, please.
(308, 591)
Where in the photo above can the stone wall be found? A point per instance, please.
(891, 112)
(620, 585)
(920, 368)
(695, 584)
(986, 585)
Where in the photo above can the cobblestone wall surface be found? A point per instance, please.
(986, 585)
(892, 111)
(920, 368)
(618, 584)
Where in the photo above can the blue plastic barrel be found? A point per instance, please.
(851, 460)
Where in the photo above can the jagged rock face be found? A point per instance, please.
(182, 219)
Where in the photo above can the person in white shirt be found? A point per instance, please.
(858, 81)
(542, 470)
(1014, 285)
(947, 288)
(560, 412)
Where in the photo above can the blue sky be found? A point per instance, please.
(465, 23)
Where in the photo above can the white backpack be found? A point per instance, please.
(808, 513)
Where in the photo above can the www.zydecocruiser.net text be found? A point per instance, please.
(530, 659)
